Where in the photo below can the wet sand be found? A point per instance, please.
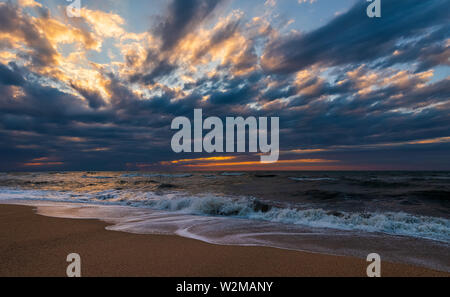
(34, 245)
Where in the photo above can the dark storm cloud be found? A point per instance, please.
(40, 101)
(149, 113)
(43, 117)
(10, 77)
(370, 120)
(355, 38)
(222, 35)
(93, 97)
(161, 69)
(43, 121)
(182, 18)
(233, 91)
(428, 51)
(18, 26)
(137, 130)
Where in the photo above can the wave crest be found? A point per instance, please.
(394, 223)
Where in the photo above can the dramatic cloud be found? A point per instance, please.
(15, 28)
(183, 17)
(100, 92)
(352, 37)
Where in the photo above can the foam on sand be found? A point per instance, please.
(209, 205)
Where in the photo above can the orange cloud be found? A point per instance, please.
(41, 159)
(307, 151)
(197, 160)
(72, 139)
(257, 163)
(29, 3)
(103, 23)
(433, 140)
(43, 164)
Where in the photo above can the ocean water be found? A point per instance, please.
(403, 216)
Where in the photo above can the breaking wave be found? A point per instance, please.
(393, 223)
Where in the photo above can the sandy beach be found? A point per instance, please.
(34, 245)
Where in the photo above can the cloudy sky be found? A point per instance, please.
(99, 91)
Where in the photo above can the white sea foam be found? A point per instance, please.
(394, 223)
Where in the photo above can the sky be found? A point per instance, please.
(99, 91)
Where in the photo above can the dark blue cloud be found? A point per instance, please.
(10, 77)
(12, 22)
(182, 18)
(38, 118)
(354, 38)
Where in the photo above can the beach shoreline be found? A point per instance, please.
(35, 245)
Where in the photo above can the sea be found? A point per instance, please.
(402, 216)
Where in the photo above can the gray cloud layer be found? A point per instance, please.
(92, 132)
